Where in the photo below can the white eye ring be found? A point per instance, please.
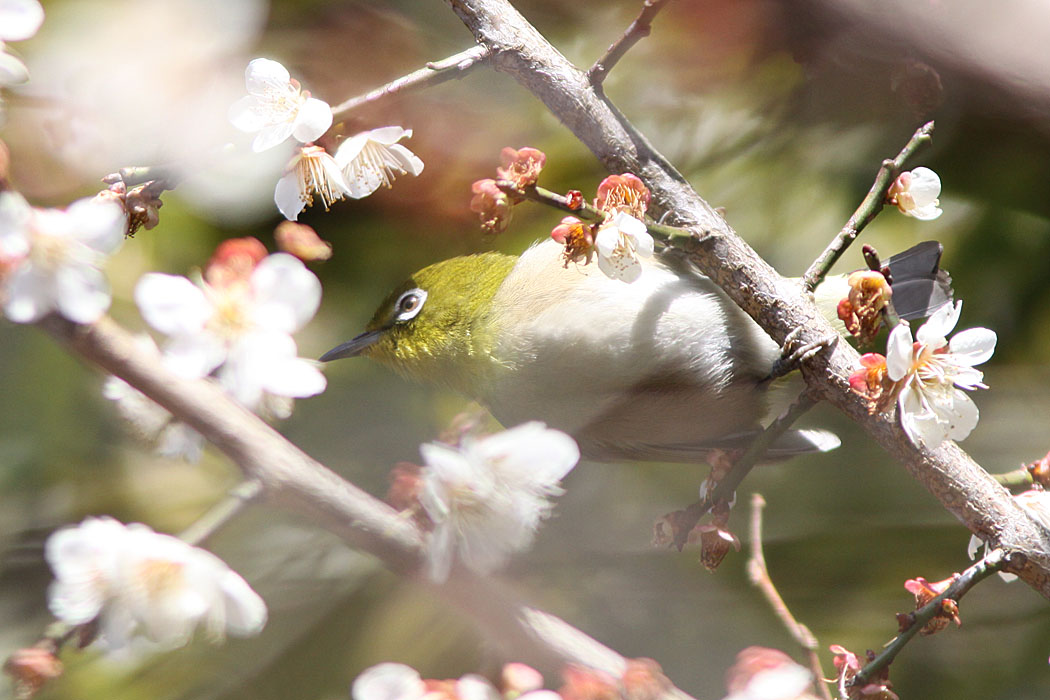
(409, 304)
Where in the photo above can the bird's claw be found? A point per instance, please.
(793, 354)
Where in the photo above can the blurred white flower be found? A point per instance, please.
(761, 673)
(931, 373)
(238, 327)
(915, 193)
(137, 582)
(374, 158)
(619, 243)
(51, 259)
(311, 172)
(487, 498)
(19, 20)
(388, 681)
(276, 107)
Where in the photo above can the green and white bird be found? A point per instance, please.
(665, 368)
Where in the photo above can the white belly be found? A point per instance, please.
(665, 360)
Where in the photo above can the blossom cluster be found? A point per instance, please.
(145, 589)
(483, 500)
(276, 108)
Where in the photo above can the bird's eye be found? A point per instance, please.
(409, 304)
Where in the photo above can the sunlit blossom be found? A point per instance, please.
(138, 583)
(19, 20)
(373, 159)
(620, 243)
(916, 194)
(238, 327)
(492, 204)
(931, 374)
(486, 498)
(52, 258)
(276, 107)
(521, 166)
(761, 673)
(311, 172)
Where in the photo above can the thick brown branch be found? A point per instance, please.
(292, 479)
(778, 305)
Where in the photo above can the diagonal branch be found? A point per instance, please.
(777, 304)
(291, 479)
(635, 32)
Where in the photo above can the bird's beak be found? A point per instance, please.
(352, 348)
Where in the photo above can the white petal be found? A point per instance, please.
(963, 417)
(974, 547)
(30, 295)
(75, 601)
(289, 196)
(447, 466)
(920, 422)
(20, 19)
(972, 346)
(968, 378)
(439, 546)
(939, 325)
(541, 455)
(407, 160)
(194, 355)
(12, 70)
(263, 74)
(98, 224)
(246, 114)
(474, 687)
(314, 118)
(388, 681)
(927, 212)
(296, 377)
(362, 180)
(349, 149)
(287, 294)
(81, 292)
(387, 135)
(171, 304)
(15, 214)
(620, 267)
(245, 609)
(925, 186)
(272, 135)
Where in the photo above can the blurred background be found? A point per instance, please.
(781, 112)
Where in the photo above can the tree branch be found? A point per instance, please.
(635, 32)
(433, 73)
(291, 479)
(777, 304)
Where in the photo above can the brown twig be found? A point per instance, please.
(433, 73)
(638, 29)
(869, 208)
(759, 574)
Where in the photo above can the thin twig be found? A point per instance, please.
(1017, 479)
(992, 563)
(741, 467)
(868, 209)
(638, 29)
(759, 574)
(455, 66)
(222, 512)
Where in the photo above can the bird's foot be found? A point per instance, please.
(793, 353)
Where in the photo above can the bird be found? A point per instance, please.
(664, 369)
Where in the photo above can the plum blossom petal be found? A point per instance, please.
(12, 70)
(388, 681)
(373, 159)
(620, 244)
(20, 19)
(311, 172)
(487, 498)
(53, 258)
(172, 304)
(916, 194)
(276, 107)
(286, 293)
(138, 583)
(931, 372)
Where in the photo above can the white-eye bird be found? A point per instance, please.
(664, 368)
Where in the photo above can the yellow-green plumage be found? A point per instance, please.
(452, 339)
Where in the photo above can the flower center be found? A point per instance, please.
(160, 576)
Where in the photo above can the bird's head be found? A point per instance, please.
(436, 326)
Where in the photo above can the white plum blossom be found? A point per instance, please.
(931, 374)
(374, 158)
(620, 242)
(139, 583)
(240, 329)
(19, 20)
(310, 172)
(388, 681)
(486, 499)
(51, 259)
(276, 107)
(915, 193)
